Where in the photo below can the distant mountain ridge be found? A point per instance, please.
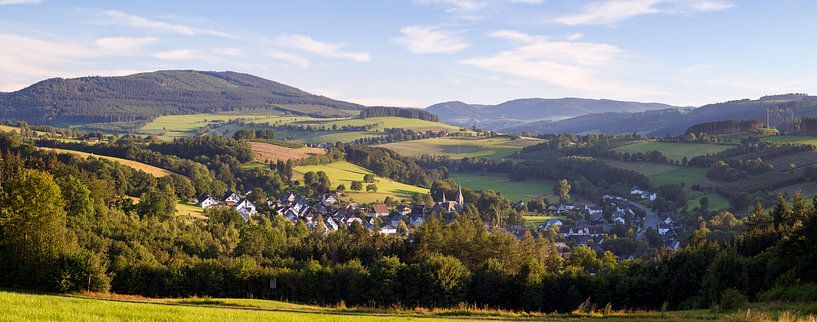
(783, 112)
(521, 111)
(146, 95)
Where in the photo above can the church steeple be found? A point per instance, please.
(443, 193)
(460, 198)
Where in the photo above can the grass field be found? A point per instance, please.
(110, 307)
(388, 122)
(799, 139)
(267, 151)
(172, 126)
(154, 171)
(458, 148)
(189, 211)
(673, 151)
(663, 174)
(513, 190)
(343, 172)
(716, 202)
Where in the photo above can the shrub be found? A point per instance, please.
(732, 299)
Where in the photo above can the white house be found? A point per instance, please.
(388, 230)
(245, 208)
(231, 198)
(207, 201)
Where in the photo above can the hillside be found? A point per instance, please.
(143, 96)
(520, 111)
(676, 121)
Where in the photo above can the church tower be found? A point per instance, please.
(460, 198)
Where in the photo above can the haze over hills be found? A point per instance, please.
(783, 110)
(517, 112)
(146, 95)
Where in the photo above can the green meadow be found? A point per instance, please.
(343, 172)
(673, 151)
(513, 190)
(796, 139)
(457, 147)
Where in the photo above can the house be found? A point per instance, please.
(388, 229)
(553, 222)
(593, 209)
(379, 210)
(289, 197)
(404, 210)
(329, 199)
(331, 224)
(245, 208)
(618, 217)
(416, 221)
(207, 201)
(231, 198)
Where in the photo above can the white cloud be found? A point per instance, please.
(181, 54)
(579, 66)
(124, 45)
(574, 36)
(456, 5)
(321, 48)
(9, 2)
(289, 58)
(430, 40)
(122, 18)
(25, 60)
(528, 1)
(613, 11)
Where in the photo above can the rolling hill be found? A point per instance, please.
(59, 101)
(521, 111)
(783, 110)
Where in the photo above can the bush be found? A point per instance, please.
(732, 299)
(805, 293)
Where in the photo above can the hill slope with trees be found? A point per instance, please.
(143, 96)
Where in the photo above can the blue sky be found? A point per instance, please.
(419, 52)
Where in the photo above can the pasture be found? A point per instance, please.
(381, 123)
(169, 127)
(513, 190)
(673, 151)
(154, 171)
(794, 139)
(457, 147)
(263, 152)
(664, 174)
(343, 172)
(112, 307)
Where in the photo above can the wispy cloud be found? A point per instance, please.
(289, 58)
(124, 44)
(325, 49)
(122, 18)
(614, 11)
(24, 60)
(430, 40)
(579, 66)
(456, 5)
(10, 2)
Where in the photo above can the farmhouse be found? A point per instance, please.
(207, 201)
(379, 210)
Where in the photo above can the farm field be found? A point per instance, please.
(716, 202)
(267, 151)
(457, 148)
(318, 137)
(111, 307)
(387, 122)
(799, 139)
(664, 174)
(154, 171)
(513, 190)
(172, 126)
(674, 151)
(343, 172)
(189, 211)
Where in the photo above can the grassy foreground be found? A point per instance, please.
(107, 307)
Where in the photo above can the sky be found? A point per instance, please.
(415, 53)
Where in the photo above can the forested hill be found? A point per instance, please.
(142, 96)
(783, 111)
(515, 112)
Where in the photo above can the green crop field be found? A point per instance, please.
(343, 172)
(673, 151)
(663, 174)
(457, 148)
(389, 122)
(513, 190)
(799, 139)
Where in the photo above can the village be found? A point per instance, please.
(588, 224)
